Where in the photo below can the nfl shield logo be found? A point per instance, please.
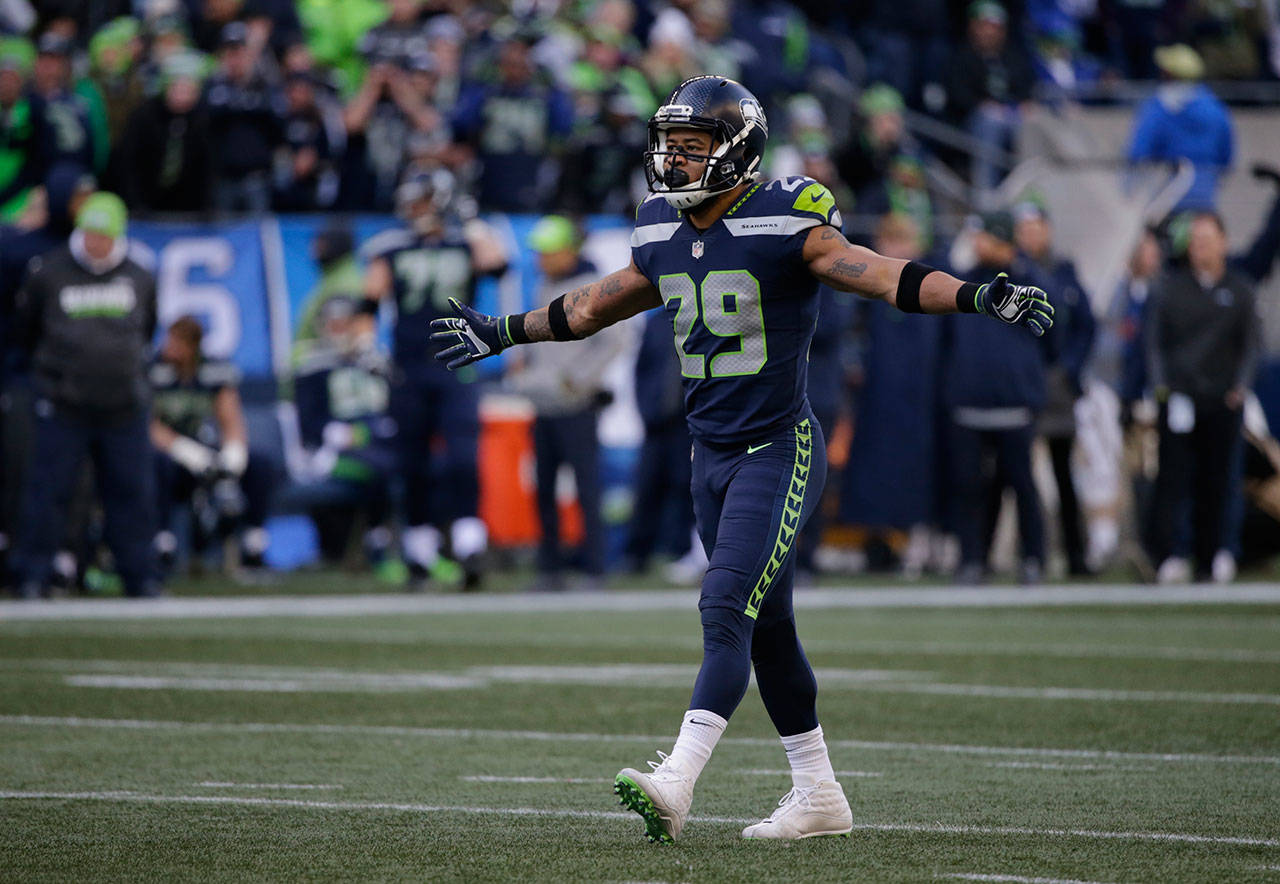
(697, 248)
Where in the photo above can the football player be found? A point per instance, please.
(433, 261)
(736, 263)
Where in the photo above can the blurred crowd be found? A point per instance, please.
(303, 105)
(441, 111)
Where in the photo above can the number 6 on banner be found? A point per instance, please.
(208, 301)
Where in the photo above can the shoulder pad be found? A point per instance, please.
(654, 209)
(161, 374)
(386, 242)
(656, 221)
(219, 373)
(801, 195)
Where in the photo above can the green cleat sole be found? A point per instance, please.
(632, 797)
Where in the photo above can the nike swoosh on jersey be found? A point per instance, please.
(752, 449)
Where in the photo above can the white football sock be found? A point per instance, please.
(699, 733)
(807, 754)
(421, 545)
(469, 536)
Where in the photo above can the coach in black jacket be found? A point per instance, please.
(87, 312)
(1202, 340)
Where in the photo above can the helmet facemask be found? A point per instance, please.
(723, 168)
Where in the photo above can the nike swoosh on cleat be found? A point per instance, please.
(752, 449)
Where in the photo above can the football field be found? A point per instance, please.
(1077, 735)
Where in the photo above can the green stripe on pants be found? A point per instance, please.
(792, 511)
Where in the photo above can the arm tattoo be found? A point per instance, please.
(830, 233)
(537, 325)
(847, 269)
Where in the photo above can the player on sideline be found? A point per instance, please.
(736, 263)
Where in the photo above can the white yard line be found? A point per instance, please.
(1013, 879)
(629, 600)
(1100, 695)
(1054, 765)
(226, 677)
(425, 682)
(211, 784)
(483, 778)
(924, 828)
(234, 727)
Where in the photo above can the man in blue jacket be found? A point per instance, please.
(1185, 120)
(993, 389)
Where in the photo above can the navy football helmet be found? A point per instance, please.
(732, 115)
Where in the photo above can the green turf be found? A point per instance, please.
(400, 789)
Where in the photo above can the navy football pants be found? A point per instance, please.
(120, 448)
(750, 502)
(438, 428)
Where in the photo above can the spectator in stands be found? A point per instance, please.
(209, 18)
(515, 126)
(314, 142)
(883, 163)
(889, 485)
(1185, 120)
(669, 59)
(662, 513)
(333, 29)
(389, 109)
(1231, 37)
(993, 388)
(74, 135)
(601, 156)
(1137, 28)
(401, 37)
(988, 85)
(165, 159)
(24, 136)
(907, 45)
(202, 449)
(1072, 336)
(717, 49)
(1202, 341)
(1061, 68)
(87, 313)
(566, 387)
(115, 56)
(245, 116)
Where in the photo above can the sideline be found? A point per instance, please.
(630, 600)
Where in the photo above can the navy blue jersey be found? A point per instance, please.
(742, 303)
(185, 405)
(426, 274)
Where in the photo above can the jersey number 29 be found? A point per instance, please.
(729, 306)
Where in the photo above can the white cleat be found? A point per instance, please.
(662, 797)
(807, 812)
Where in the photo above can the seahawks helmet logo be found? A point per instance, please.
(753, 113)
